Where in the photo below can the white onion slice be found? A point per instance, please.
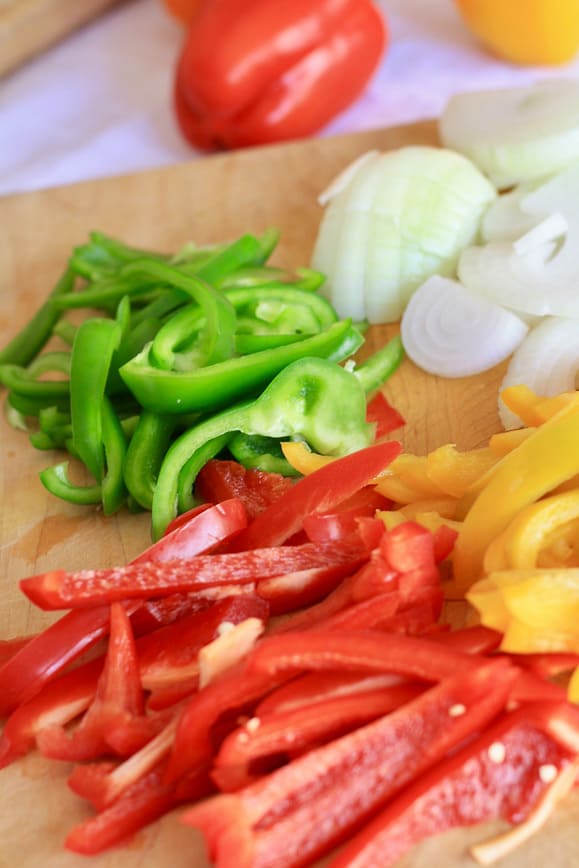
(516, 134)
(544, 280)
(505, 220)
(547, 361)
(391, 222)
(449, 331)
(551, 228)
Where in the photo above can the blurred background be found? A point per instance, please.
(86, 87)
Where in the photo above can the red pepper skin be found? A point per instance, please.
(291, 732)
(47, 654)
(371, 651)
(463, 790)
(10, 647)
(471, 640)
(303, 809)
(57, 703)
(89, 588)
(386, 418)
(255, 489)
(320, 492)
(142, 803)
(168, 656)
(317, 687)
(203, 531)
(251, 74)
(115, 719)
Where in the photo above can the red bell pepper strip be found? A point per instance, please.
(317, 687)
(169, 655)
(115, 718)
(234, 690)
(10, 647)
(184, 517)
(304, 808)
(320, 492)
(57, 703)
(345, 519)
(145, 801)
(497, 775)
(47, 654)
(320, 649)
(386, 417)
(250, 74)
(255, 489)
(285, 733)
(201, 533)
(58, 589)
(471, 640)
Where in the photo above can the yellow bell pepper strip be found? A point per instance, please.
(532, 32)
(454, 472)
(504, 442)
(530, 531)
(573, 687)
(545, 460)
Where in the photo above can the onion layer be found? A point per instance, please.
(516, 134)
(449, 331)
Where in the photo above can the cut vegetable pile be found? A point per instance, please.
(399, 225)
(277, 664)
(257, 661)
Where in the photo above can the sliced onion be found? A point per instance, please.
(341, 181)
(449, 331)
(547, 361)
(504, 219)
(391, 222)
(516, 134)
(543, 279)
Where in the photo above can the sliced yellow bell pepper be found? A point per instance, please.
(546, 459)
(503, 443)
(525, 31)
(530, 531)
(454, 472)
(573, 687)
(302, 459)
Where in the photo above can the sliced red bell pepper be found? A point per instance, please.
(303, 809)
(48, 653)
(346, 517)
(204, 530)
(234, 691)
(471, 640)
(147, 800)
(255, 489)
(250, 75)
(319, 492)
(10, 647)
(383, 415)
(495, 776)
(115, 718)
(317, 687)
(89, 588)
(358, 652)
(168, 656)
(251, 748)
(57, 703)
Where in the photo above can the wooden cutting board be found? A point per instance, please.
(208, 200)
(28, 27)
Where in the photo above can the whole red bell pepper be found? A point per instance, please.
(253, 71)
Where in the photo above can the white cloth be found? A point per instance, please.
(99, 103)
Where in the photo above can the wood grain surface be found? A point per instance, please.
(208, 200)
(29, 27)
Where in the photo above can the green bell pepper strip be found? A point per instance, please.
(286, 308)
(92, 353)
(65, 330)
(113, 491)
(145, 453)
(24, 381)
(245, 344)
(378, 367)
(33, 406)
(185, 496)
(261, 453)
(55, 480)
(106, 293)
(103, 256)
(215, 341)
(26, 345)
(215, 386)
(312, 398)
(247, 250)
